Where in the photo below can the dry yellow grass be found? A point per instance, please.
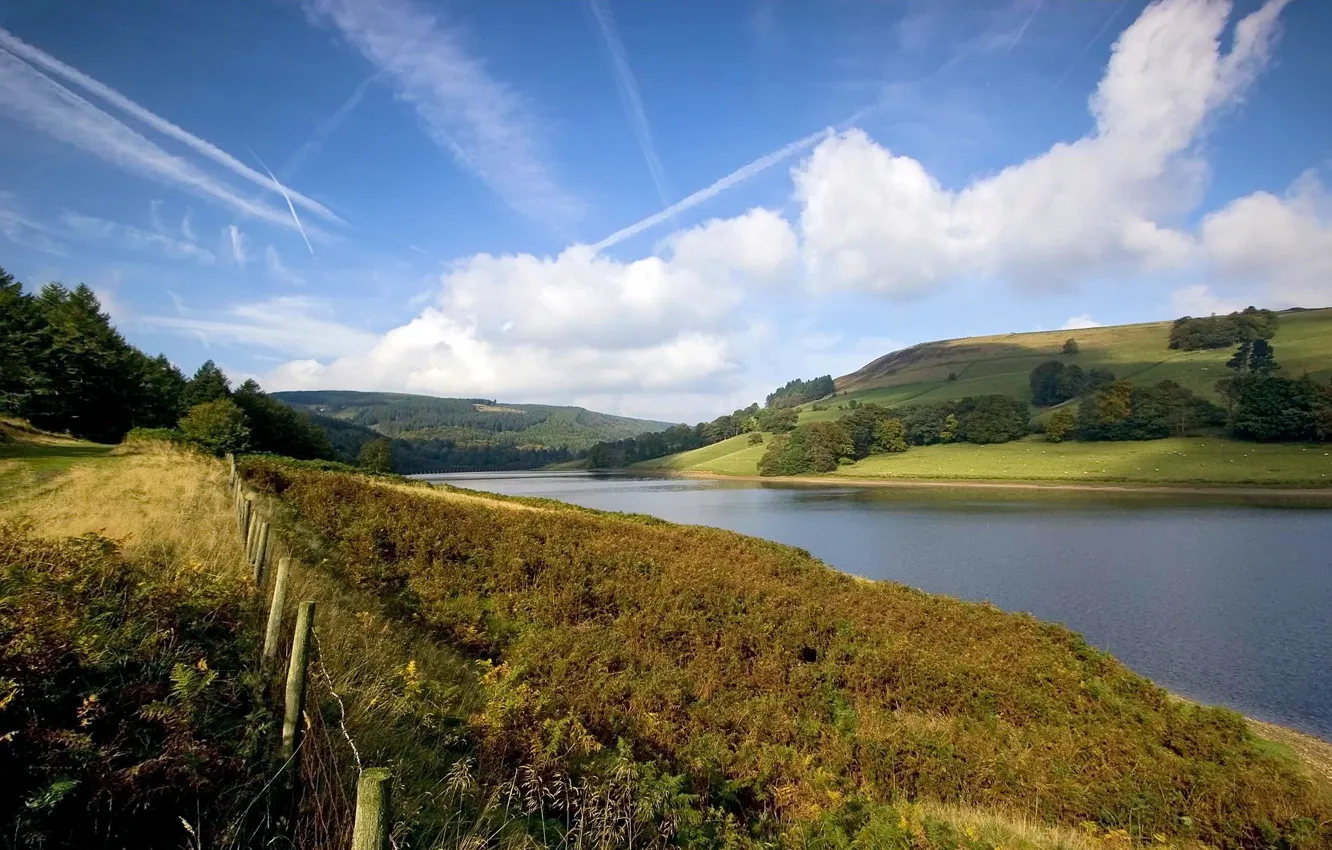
(165, 506)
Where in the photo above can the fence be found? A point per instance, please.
(370, 828)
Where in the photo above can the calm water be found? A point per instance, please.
(1222, 602)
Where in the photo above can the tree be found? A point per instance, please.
(1239, 361)
(755, 438)
(208, 384)
(216, 426)
(1044, 383)
(278, 428)
(376, 455)
(1270, 408)
(816, 447)
(890, 436)
(1262, 358)
(990, 419)
(1060, 425)
(1071, 346)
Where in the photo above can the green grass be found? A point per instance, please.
(1186, 460)
(1001, 364)
(29, 457)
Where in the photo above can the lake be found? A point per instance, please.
(1219, 600)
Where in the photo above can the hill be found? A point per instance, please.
(432, 433)
(1001, 364)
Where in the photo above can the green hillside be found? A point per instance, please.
(421, 417)
(1001, 364)
(432, 433)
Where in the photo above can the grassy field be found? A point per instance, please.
(1187, 460)
(29, 457)
(1001, 364)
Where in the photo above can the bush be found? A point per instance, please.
(154, 435)
(216, 426)
(1071, 346)
(1061, 424)
(124, 699)
(755, 439)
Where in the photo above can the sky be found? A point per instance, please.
(655, 209)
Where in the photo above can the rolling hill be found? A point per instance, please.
(1002, 363)
(431, 433)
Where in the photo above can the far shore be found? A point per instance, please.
(1108, 487)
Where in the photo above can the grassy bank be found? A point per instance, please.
(757, 694)
(29, 456)
(1178, 461)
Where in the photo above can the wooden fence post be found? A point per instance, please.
(260, 560)
(273, 634)
(295, 704)
(371, 827)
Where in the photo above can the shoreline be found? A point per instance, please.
(991, 484)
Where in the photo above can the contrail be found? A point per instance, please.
(1023, 29)
(26, 51)
(1083, 52)
(761, 164)
(290, 206)
(628, 87)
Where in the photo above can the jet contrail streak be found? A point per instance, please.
(761, 164)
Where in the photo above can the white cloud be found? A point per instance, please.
(881, 222)
(1080, 321)
(18, 47)
(1200, 300)
(295, 326)
(60, 113)
(759, 245)
(187, 228)
(1283, 246)
(279, 270)
(91, 227)
(235, 240)
(480, 121)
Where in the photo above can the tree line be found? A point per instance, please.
(1258, 403)
(797, 392)
(1248, 325)
(818, 447)
(64, 367)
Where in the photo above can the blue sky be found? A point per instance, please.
(649, 208)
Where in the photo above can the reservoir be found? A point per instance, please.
(1223, 601)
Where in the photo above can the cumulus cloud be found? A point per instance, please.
(1200, 300)
(878, 221)
(1080, 321)
(579, 324)
(1281, 245)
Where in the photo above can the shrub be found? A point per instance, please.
(1061, 424)
(1071, 346)
(216, 426)
(778, 693)
(123, 699)
(151, 435)
(755, 439)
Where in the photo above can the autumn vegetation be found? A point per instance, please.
(766, 697)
